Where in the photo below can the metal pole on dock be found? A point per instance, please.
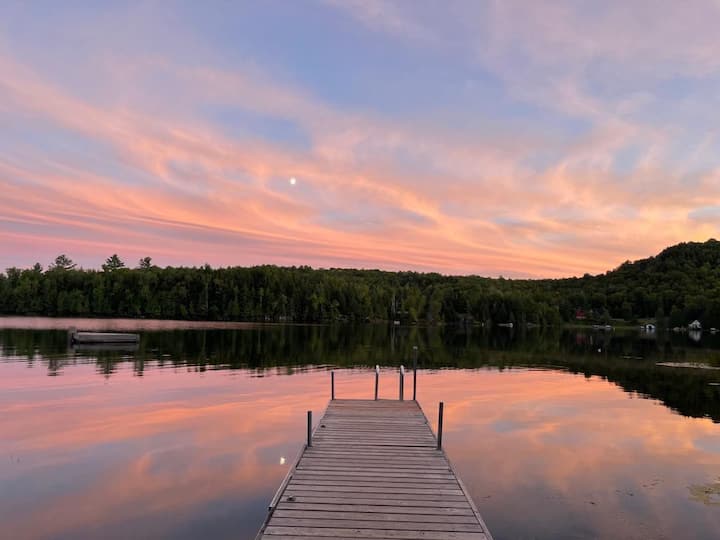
(415, 358)
(332, 385)
(440, 425)
(402, 382)
(309, 429)
(377, 380)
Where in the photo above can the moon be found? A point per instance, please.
(293, 181)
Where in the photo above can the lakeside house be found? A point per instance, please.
(648, 327)
(695, 325)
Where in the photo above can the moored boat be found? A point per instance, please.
(103, 337)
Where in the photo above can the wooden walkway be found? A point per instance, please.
(373, 472)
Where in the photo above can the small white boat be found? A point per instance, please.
(103, 337)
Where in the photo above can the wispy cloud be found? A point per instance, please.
(588, 181)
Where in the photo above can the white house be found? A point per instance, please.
(695, 325)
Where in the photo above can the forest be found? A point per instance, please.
(679, 285)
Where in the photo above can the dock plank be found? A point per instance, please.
(373, 472)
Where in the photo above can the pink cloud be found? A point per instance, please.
(446, 219)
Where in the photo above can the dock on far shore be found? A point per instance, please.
(373, 469)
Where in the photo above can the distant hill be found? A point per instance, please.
(677, 286)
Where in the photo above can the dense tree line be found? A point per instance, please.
(679, 285)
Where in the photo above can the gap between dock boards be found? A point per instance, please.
(374, 471)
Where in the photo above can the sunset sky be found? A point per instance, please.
(536, 139)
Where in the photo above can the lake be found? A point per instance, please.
(557, 433)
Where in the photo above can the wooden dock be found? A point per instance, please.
(374, 471)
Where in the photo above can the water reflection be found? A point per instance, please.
(648, 364)
(190, 435)
(574, 458)
(176, 454)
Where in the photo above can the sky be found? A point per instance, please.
(514, 138)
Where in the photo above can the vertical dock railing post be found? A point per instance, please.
(309, 429)
(440, 426)
(377, 381)
(415, 358)
(402, 382)
(332, 385)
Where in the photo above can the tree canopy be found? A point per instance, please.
(113, 263)
(679, 285)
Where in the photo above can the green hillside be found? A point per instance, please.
(677, 286)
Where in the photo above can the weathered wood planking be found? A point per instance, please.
(373, 472)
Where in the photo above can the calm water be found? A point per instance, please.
(557, 434)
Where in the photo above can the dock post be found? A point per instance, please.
(332, 385)
(309, 429)
(377, 380)
(415, 358)
(402, 382)
(440, 426)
